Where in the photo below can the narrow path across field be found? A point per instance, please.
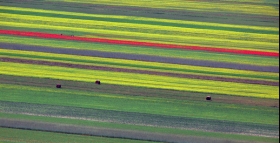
(94, 53)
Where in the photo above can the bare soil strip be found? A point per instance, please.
(137, 91)
(149, 58)
(104, 68)
(143, 119)
(105, 132)
(189, 15)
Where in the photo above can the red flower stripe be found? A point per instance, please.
(137, 43)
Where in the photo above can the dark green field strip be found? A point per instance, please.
(11, 135)
(135, 21)
(137, 91)
(182, 54)
(88, 131)
(104, 132)
(115, 69)
(140, 57)
(266, 2)
(65, 32)
(134, 118)
(91, 123)
(215, 17)
(150, 105)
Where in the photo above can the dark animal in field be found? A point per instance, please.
(208, 97)
(58, 86)
(97, 82)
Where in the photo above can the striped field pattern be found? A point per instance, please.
(156, 60)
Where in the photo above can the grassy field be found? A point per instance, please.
(191, 133)
(17, 135)
(156, 60)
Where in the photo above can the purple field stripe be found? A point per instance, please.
(149, 58)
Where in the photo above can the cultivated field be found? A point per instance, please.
(156, 60)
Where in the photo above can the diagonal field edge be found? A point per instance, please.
(137, 43)
(149, 58)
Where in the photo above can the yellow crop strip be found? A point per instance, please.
(148, 81)
(160, 37)
(140, 18)
(145, 28)
(190, 5)
(155, 65)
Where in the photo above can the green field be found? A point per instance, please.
(154, 93)
(17, 135)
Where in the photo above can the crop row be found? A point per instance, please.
(138, 60)
(195, 6)
(196, 55)
(137, 20)
(143, 28)
(191, 37)
(187, 35)
(138, 104)
(133, 64)
(136, 127)
(141, 80)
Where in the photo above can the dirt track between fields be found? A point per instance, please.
(104, 68)
(106, 132)
(149, 58)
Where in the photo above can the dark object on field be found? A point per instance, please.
(58, 86)
(97, 82)
(60, 34)
(72, 35)
(208, 97)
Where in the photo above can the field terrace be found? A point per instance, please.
(156, 60)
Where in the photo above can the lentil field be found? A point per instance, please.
(157, 61)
